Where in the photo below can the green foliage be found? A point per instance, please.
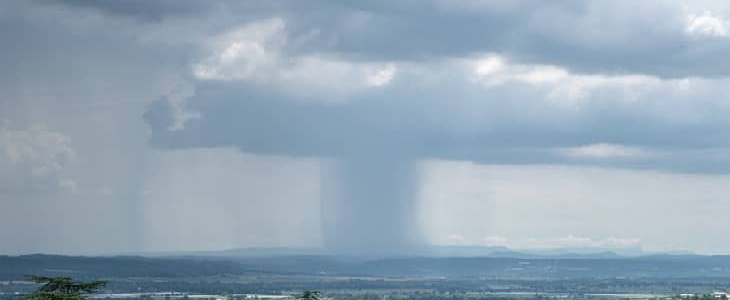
(62, 288)
(309, 295)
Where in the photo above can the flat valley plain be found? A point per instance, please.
(426, 278)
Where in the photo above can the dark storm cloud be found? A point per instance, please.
(429, 124)
(144, 10)
(605, 37)
(584, 36)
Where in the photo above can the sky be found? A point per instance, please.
(171, 125)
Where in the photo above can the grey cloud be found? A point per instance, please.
(140, 9)
(368, 200)
(33, 160)
(584, 36)
(448, 122)
(160, 115)
(117, 56)
(594, 37)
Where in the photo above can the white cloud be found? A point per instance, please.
(34, 158)
(41, 151)
(559, 85)
(605, 150)
(104, 191)
(246, 53)
(706, 24)
(456, 239)
(382, 76)
(489, 66)
(570, 241)
(494, 70)
(180, 115)
(253, 53)
(68, 186)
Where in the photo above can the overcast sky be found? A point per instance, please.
(170, 125)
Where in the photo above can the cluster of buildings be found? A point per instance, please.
(178, 295)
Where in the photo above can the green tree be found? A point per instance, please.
(309, 295)
(62, 288)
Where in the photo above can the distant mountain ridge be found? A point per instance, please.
(432, 251)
